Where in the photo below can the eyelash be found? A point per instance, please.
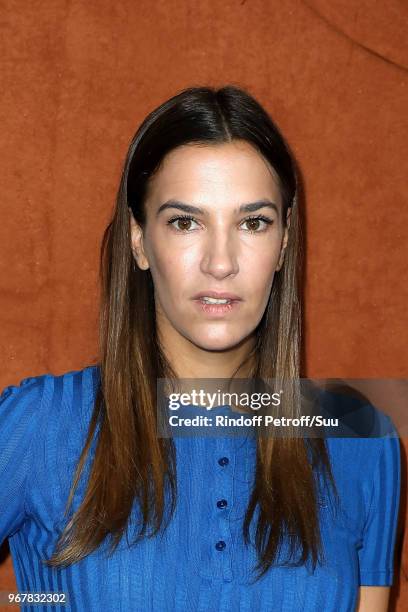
(189, 218)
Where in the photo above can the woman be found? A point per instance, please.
(207, 209)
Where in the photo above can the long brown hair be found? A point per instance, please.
(131, 462)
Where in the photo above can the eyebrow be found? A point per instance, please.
(195, 210)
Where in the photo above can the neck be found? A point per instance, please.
(191, 361)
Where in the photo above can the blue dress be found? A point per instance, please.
(200, 563)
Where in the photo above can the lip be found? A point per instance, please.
(220, 295)
(217, 310)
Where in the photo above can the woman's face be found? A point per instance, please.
(217, 248)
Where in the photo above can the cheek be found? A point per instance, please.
(260, 268)
(171, 271)
(167, 257)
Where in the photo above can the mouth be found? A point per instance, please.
(214, 306)
(210, 300)
(216, 297)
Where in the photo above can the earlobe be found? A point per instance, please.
(284, 241)
(136, 239)
(281, 258)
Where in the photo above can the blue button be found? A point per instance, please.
(220, 545)
(223, 461)
(222, 503)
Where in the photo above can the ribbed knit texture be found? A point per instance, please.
(43, 425)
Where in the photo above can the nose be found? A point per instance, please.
(220, 257)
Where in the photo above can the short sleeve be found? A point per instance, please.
(376, 556)
(19, 425)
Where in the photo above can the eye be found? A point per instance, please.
(185, 220)
(255, 221)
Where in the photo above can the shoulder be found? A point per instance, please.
(355, 451)
(46, 395)
(363, 433)
(43, 422)
(367, 472)
(20, 407)
(83, 380)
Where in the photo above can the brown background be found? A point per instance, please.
(78, 77)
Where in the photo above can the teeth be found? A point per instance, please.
(210, 300)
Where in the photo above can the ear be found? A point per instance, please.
(136, 239)
(284, 240)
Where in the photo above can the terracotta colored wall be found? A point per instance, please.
(78, 76)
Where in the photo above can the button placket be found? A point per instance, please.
(222, 506)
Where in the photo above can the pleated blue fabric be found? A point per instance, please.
(200, 562)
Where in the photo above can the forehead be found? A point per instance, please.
(215, 174)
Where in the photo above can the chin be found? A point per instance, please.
(222, 342)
